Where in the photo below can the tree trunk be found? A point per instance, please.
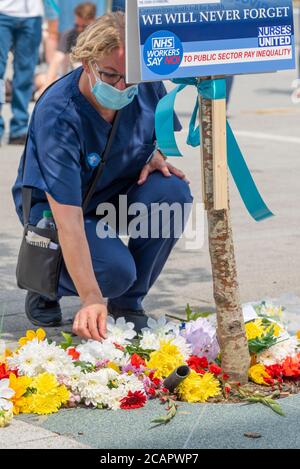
(230, 330)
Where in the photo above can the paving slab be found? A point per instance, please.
(196, 426)
(22, 435)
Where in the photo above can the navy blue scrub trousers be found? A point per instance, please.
(125, 274)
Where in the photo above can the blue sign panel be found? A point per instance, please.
(177, 38)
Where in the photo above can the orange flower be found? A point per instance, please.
(291, 366)
(19, 385)
(73, 353)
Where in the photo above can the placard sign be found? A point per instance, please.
(187, 38)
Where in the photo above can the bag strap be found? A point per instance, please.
(27, 191)
(100, 169)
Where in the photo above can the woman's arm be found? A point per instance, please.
(90, 321)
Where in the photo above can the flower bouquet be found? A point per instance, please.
(124, 371)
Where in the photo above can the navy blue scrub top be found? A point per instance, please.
(66, 138)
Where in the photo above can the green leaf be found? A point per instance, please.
(188, 312)
(163, 420)
(267, 401)
(68, 341)
(262, 343)
(190, 316)
(144, 353)
(86, 367)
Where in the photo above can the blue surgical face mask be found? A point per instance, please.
(110, 97)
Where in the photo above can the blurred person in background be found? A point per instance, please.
(118, 5)
(50, 33)
(20, 31)
(65, 12)
(85, 14)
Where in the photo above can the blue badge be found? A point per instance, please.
(163, 52)
(93, 160)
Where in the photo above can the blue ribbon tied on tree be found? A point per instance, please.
(165, 135)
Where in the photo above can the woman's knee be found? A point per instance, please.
(173, 189)
(118, 277)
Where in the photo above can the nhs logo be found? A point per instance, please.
(163, 43)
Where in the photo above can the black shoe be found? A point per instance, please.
(21, 140)
(41, 312)
(138, 317)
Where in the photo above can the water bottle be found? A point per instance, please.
(47, 222)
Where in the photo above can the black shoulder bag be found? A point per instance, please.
(39, 266)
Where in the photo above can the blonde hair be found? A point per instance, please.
(100, 38)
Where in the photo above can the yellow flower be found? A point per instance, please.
(40, 334)
(165, 360)
(47, 396)
(298, 335)
(199, 388)
(6, 417)
(257, 373)
(114, 366)
(19, 385)
(256, 329)
(277, 329)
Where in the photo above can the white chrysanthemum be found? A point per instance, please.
(6, 393)
(279, 352)
(129, 383)
(112, 398)
(38, 357)
(94, 352)
(182, 345)
(120, 331)
(93, 387)
(149, 341)
(70, 376)
(161, 327)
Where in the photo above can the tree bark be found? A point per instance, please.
(230, 322)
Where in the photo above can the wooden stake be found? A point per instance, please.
(220, 154)
(230, 329)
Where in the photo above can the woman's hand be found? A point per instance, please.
(158, 163)
(90, 322)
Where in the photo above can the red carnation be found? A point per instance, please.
(215, 369)
(225, 377)
(155, 381)
(152, 392)
(133, 400)
(137, 361)
(197, 363)
(291, 367)
(73, 353)
(275, 371)
(203, 362)
(227, 389)
(5, 372)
